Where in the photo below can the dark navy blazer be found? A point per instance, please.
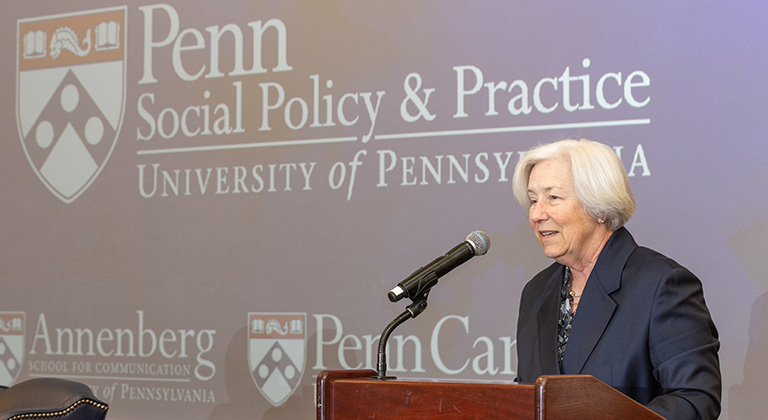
(642, 327)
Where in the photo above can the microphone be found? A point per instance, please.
(476, 243)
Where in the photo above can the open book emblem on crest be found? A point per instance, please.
(70, 95)
(276, 353)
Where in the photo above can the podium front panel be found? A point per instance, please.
(361, 397)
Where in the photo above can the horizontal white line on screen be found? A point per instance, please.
(495, 130)
(443, 133)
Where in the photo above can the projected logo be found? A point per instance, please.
(276, 353)
(70, 95)
(11, 346)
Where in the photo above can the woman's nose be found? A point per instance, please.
(536, 213)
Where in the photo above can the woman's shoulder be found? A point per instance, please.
(540, 280)
(654, 266)
(655, 259)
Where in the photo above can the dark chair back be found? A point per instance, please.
(45, 398)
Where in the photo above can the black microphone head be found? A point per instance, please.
(479, 241)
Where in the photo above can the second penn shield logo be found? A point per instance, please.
(70, 95)
(276, 353)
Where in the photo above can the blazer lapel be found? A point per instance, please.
(595, 311)
(548, 308)
(597, 306)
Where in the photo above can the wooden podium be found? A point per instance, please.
(356, 394)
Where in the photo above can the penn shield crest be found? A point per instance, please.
(277, 353)
(11, 346)
(70, 95)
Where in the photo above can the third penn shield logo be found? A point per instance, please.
(70, 95)
(276, 353)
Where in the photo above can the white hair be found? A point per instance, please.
(599, 178)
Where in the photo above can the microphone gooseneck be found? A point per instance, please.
(417, 286)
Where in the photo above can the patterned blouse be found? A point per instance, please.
(565, 318)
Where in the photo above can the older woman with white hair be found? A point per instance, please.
(607, 307)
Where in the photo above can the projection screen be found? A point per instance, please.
(205, 203)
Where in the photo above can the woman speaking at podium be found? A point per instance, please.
(607, 307)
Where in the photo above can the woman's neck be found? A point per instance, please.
(581, 269)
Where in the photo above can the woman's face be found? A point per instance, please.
(563, 228)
